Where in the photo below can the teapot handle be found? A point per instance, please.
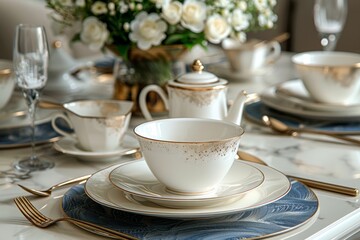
(274, 52)
(142, 99)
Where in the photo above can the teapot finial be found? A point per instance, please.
(57, 44)
(197, 66)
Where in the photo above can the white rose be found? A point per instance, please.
(99, 8)
(217, 29)
(147, 30)
(263, 20)
(172, 12)
(273, 2)
(239, 20)
(261, 4)
(194, 15)
(242, 5)
(123, 8)
(94, 33)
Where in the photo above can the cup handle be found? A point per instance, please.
(57, 129)
(274, 51)
(142, 99)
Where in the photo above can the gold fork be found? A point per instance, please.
(40, 220)
(47, 192)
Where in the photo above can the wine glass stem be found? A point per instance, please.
(329, 41)
(32, 96)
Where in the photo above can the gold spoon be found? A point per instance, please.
(49, 104)
(308, 182)
(281, 127)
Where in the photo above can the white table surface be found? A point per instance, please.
(319, 158)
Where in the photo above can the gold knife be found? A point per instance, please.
(351, 191)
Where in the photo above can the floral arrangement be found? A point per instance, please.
(148, 23)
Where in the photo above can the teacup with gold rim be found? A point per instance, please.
(189, 155)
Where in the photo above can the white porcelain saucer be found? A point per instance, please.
(99, 188)
(224, 70)
(71, 147)
(295, 92)
(137, 179)
(272, 100)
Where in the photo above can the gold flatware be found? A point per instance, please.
(49, 104)
(47, 192)
(308, 182)
(281, 127)
(279, 38)
(40, 220)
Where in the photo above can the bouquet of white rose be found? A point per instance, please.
(148, 23)
(151, 35)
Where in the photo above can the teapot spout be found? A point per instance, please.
(236, 110)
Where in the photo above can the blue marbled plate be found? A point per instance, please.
(292, 211)
(256, 110)
(19, 137)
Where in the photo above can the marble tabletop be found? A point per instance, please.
(319, 158)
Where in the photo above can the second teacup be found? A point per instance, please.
(99, 125)
(330, 77)
(7, 82)
(250, 57)
(189, 155)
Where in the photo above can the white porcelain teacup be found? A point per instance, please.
(330, 77)
(252, 56)
(7, 82)
(189, 155)
(99, 125)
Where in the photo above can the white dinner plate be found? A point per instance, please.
(270, 99)
(99, 188)
(137, 179)
(71, 147)
(17, 105)
(294, 91)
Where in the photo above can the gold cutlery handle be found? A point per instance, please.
(351, 191)
(327, 186)
(340, 137)
(74, 180)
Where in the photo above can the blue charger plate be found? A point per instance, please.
(295, 209)
(255, 111)
(21, 136)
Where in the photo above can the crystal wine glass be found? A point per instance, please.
(31, 59)
(329, 18)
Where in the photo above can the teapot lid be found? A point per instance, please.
(198, 76)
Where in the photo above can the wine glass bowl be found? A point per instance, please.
(329, 18)
(31, 60)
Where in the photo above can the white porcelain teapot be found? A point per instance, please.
(197, 94)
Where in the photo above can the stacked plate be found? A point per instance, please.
(252, 201)
(292, 97)
(132, 187)
(15, 130)
(291, 103)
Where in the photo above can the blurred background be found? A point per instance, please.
(294, 17)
